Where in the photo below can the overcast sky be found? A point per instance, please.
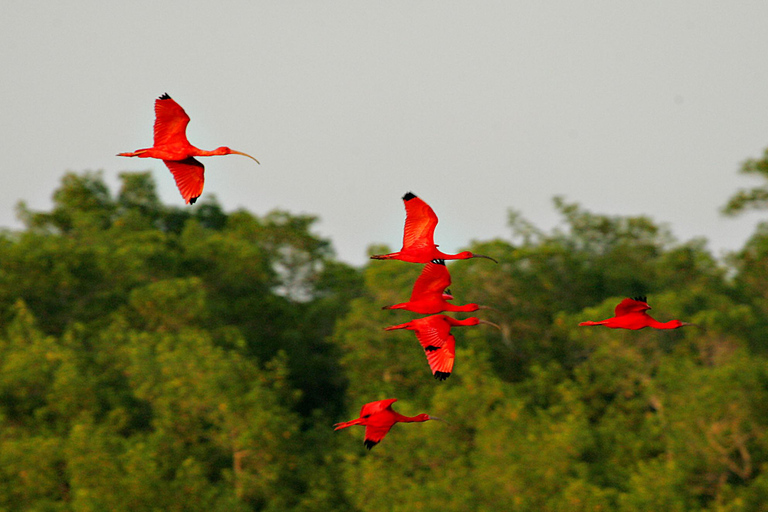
(624, 107)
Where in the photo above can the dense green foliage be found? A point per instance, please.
(163, 358)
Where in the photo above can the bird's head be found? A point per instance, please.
(224, 150)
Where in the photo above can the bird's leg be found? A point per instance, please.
(138, 152)
(590, 322)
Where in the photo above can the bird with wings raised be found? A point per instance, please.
(418, 236)
(172, 147)
(430, 293)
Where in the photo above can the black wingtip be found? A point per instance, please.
(442, 375)
(164, 96)
(370, 444)
(431, 348)
(438, 262)
(408, 196)
(640, 298)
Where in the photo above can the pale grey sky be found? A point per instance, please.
(625, 107)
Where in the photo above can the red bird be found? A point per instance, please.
(631, 314)
(434, 334)
(173, 148)
(418, 236)
(430, 293)
(378, 417)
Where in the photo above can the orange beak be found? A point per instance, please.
(244, 154)
(490, 323)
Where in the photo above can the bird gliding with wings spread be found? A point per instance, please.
(378, 417)
(172, 147)
(631, 314)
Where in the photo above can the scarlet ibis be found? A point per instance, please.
(631, 314)
(172, 147)
(418, 236)
(434, 334)
(430, 293)
(378, 417)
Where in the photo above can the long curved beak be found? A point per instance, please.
(486, 257)
(439, 419)
(244, 154)
(486, 307)
(489, 323)
(683, 324)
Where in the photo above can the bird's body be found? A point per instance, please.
(378, 417)
(418, 236)
(434, 335)
(172, 147)
(631, 314)
(430, 294)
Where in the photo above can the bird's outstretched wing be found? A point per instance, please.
(439, 346)
(374, 434)
(420, 222)
(441, 360)
(375, 407)
(627, 306)
(433, 280)
(170, 122)
(189, 175)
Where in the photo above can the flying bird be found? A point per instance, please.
(378, 417)
(418, 236)
(172, 147)
(434, 334)
(430, 293)
(631, 314)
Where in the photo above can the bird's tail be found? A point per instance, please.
(345, 424)
(589, 322)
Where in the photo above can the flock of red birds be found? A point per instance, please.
(430, 293)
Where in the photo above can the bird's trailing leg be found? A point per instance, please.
(390, 256)
(138, 152)
(339, 426)
(400, 326)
